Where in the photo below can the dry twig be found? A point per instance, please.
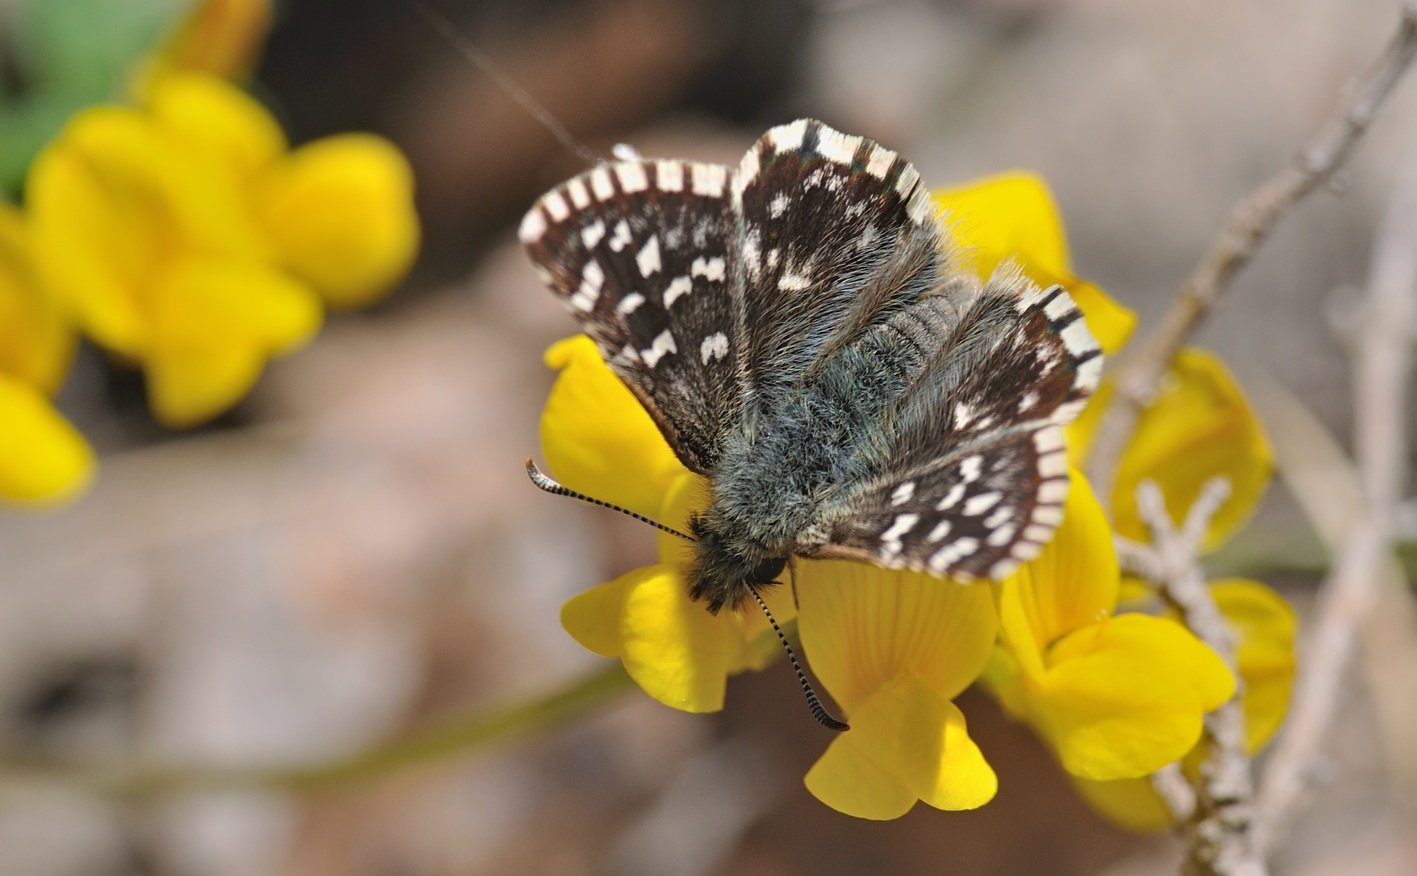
(1217, 823)
(1382, 367)
(1139, 374)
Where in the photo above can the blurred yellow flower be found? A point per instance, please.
(43, 459)
(185, 236)
(1115, 696)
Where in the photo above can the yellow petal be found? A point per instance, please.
(597, 437)
(341, 210)
(863, 626)
(1131, 804)
(673, 648)
(36, 340)
(43, 459)
(942, 765)
(209, 116)
(906, 743)
(214, 325)
(1200, 427)
(1003, 216)
(1264, 625)
(1125, 697)
(1074, 582)
(593, 618)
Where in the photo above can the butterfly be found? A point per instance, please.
(804, 334)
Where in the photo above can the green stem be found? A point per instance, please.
(458, 737)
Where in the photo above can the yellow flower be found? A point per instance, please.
(186, 237)
(1115, 696)
(43, 459)
(1264, 626)
(894, 648)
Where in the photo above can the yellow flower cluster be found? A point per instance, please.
(1116, 696)
(182, 234)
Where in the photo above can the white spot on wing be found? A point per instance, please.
(976, 505)
(777, 206)
(1090, 373)
(962, 415)
(1061, 305)
(600, 183)
(903, 493)
(621, 238)
(999, 517)
(592, 276)
(579, 196)
(648, 257)
(836, 146)
(556, 205)
(952, 553)
(677, 287)
(1029, 399)
(532, 227)
(629, 304)
(941, 530)
(715, 346)
(662, 346)
(880, 161)
(787, 137)
(791, 282)
(592, 233)
(708, 179)
(1001, 536)
(971, 467)
(1047, 440)
(632, 177)
(710, 269)
(1077, 338)
(890, 539)
(1052, 465)
(1048, 515)
(951, 498)
(1053, 492)
(669, 176)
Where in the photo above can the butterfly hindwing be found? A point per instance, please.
(642, 254)
(976, 470)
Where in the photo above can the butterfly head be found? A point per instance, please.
(725, 572)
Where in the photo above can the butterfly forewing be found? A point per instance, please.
(642, 254)
(834, 230)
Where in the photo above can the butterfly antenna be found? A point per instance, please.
(499, 77)
(545, 482)
(818, 710)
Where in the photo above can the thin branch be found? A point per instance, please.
(1217, 831)
(1382, 372)
(1139, 373)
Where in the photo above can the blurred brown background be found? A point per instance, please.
(355, 551)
